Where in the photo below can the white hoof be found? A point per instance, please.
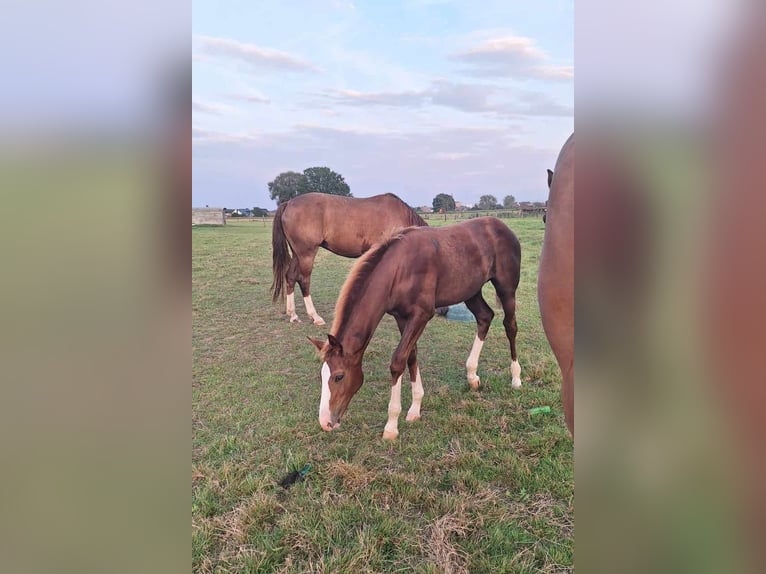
(516, 383)
(474, 382)
(318, 320)
(390, 435)
(294, 318)
(412, 417)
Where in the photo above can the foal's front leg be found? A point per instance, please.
(411, 331)
(415, 381)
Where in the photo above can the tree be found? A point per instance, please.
(324, 180)
(286, 186)
(487, 202)
(260, 212)
(445, 202)
(509, 202)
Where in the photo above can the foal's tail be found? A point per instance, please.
(280, 255)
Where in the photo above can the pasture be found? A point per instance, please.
(477, 485)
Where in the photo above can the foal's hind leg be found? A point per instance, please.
(305, 265)
(484, 314)
(509, 322)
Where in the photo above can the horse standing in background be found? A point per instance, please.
(346, 226)
(408, 276)
(555, 284)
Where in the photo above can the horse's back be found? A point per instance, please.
(347, 226)
(456, 260)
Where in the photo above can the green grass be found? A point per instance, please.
(476, 485)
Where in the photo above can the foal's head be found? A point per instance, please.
(341, 377)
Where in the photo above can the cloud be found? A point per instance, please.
(512, 57)
(395, 99)
(530, 103)
(554, 72)
(256, 56)
(463, 97)
(208, 108)
(415, 165)
(202, 136)
(250, 98)
(468, 98)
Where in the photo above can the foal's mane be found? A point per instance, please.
(356, 282)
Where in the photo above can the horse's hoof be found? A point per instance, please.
(390, 435)
(516, 383)
(319, 321)
(295, 319)
(412, 417)
(474, 383)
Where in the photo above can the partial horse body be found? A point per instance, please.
(346, 226)
(555, 285)
(408, 276)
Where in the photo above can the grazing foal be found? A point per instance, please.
(408, 276)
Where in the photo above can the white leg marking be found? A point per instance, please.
(325, 420)
(515, 375)
(473, 363)
(291, 308)
(417, 395)
(391, 431)
(312, 311)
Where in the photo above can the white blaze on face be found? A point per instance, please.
(325, 420)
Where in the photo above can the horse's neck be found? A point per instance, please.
(360, 324)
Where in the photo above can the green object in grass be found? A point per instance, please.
(539, 410)
(305, 470)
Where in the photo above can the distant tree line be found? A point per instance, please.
(290, 184)
(445, 202)
(247, 212)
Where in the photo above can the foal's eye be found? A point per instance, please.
(339, 378)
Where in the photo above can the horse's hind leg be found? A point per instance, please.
(305, 266)
(508, 300)
(484, 314)
(291, 277)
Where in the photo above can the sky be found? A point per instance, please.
(412, 97)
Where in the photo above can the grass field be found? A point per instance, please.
(477, 485)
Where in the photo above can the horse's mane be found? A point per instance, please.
(413, 219)
(355, 285)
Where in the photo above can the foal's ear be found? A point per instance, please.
(550, 177)
(335, 344)
(317, 343)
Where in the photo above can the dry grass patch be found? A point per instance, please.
(438, 543)
(353, 476)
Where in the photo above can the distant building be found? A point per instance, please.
(426, 209)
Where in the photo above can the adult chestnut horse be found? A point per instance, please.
(555, 283)
(346, 226)
(408, 276)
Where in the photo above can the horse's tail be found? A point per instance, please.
(280, 255)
